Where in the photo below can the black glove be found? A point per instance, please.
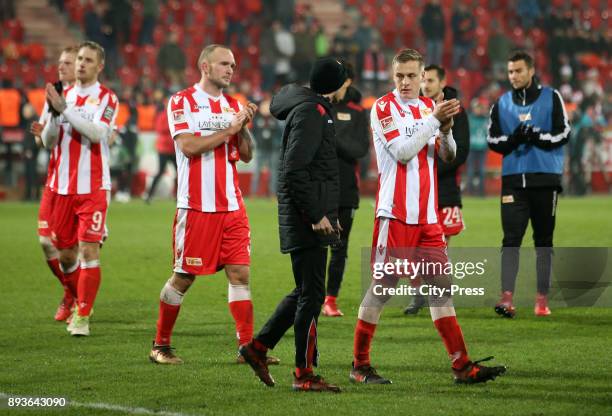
(59, 88)
(532, 134)
(518, 136)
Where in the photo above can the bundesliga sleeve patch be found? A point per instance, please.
(387, 124)
(178, 116)
(108, 113)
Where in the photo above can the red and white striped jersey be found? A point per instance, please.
(208, 182)
(80, 166)
(407, 192)
(43, 119)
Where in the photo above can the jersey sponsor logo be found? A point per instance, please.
(193, 261)
(344, 116)
(507, 199)
(412, 130)
(382, 105)
(178, 116)
(93, 101)
(213, 124)
(387, 124)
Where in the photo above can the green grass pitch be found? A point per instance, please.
(557, 366)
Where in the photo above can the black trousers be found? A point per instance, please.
(301, 307)
(518, 207)
(337, 262)
(163, 161)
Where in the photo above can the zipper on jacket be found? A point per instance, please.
(524, 181)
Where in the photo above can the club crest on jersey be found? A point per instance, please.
(426, 111)
(228, 110)
(193, 261)
(93, 101)
(178, 116)
(387, 124)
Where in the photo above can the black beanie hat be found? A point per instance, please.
(327, 75)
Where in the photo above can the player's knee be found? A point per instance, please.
(89, 251)
(48, 247)
(171, 295)
(181, 281)
(237, 274)
(68, 258)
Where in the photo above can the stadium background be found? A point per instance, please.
(152, 48)
(557, 366)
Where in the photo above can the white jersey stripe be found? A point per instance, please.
(413, 189)
(84, 176)
(208, 182)
(431, 202)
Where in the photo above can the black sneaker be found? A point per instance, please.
(474, 373)
(416, 304)
(367, 375)
(258, 362)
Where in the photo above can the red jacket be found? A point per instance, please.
(164, 142)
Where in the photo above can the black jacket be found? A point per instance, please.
(352, 143)
(449, 192)
(308, 187)
(560, 128)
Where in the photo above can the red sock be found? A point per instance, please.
(54, 265)
(71, 281)
(89, 282)
(55, 269)
(242, 311)
(259, 346)
(364, 332)
(165, 323)
(451, 334)
(330, 300)
(301, 372)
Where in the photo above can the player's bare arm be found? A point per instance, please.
(245, 143)
(444, 112)
(192, 145)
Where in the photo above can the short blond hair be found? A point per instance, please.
(208, 50)
(73, 49)
(96, 47)
(407, 55)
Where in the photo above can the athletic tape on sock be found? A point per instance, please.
(170, 295)
(369, 314)
(90, 264)
(236, 293)
(441, 307)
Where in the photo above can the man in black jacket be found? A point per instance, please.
(529, 127)
(352, 143)
(449, 191)
(308, 192)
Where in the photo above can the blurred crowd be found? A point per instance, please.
(151, 46)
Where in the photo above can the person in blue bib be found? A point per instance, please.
(529, 127)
